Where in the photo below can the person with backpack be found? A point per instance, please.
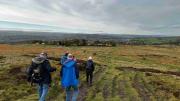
(39, 73)
(70, 74)
(64, 58)
(89, 70)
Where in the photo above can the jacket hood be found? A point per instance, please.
(38, 60)
(69, 63)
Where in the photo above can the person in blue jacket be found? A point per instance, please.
(64, 58)
(70, 74)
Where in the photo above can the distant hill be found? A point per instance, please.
(24, 36)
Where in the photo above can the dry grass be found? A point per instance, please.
(110, 83)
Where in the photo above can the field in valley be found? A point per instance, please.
(123, 73)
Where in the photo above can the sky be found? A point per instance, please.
(144, 17)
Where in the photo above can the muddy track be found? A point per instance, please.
(105, 92)
(148, 70)
(121, 89)
(151, 55)
(50, 58)
(83, 89)
(2, 57)
(141, 89)
(114, 86)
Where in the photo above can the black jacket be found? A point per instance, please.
(90, 66)
(47, 69)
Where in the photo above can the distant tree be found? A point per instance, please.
(83, 42)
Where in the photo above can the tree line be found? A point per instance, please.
(111, 43)
(76, 42)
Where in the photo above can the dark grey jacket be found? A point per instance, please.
(90, 66)
(47, 69)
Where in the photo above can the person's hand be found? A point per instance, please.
(29, 79)
(49, 85)
(54, 69)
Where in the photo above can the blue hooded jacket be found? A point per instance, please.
(69, 74)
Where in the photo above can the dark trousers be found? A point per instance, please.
(89, 74)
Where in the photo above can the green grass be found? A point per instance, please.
(110, 83)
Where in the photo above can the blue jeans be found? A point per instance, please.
(43, 90)
(68, 93)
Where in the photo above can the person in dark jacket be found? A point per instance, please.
(46, 69)
(89, 70)
(70, 74)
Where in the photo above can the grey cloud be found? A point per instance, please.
(138, 14)
(154, 16)
(128, 11)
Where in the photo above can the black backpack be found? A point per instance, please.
(89, 65)
(35, 73)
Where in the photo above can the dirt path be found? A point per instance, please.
(148, 70)
(83, 89)
(105, 91)
(141, 89)
(114, 86)
(121, 89)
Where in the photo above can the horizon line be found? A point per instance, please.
(98, 33)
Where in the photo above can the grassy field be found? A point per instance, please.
(123, 73)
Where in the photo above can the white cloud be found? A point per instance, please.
(111, 16)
